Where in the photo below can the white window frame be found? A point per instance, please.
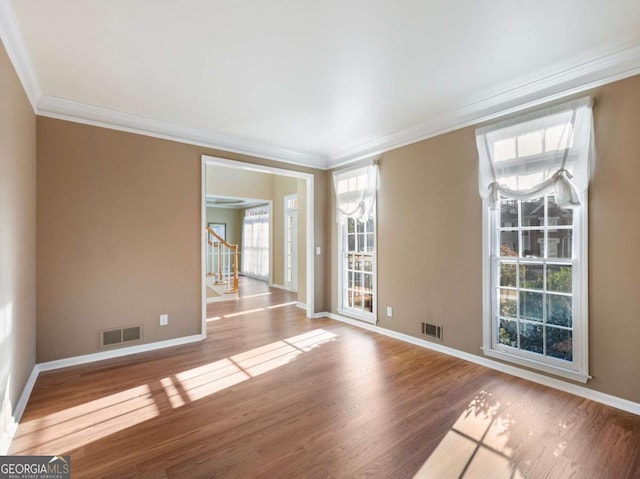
(269, 277)
(578, 369)
(293, 285)
(342, 272)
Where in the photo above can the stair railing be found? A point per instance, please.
(222, 261)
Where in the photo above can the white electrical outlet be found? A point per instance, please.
(389, 311)
(164, 319)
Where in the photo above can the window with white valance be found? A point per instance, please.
(534, 174)
(356, 191)
(532, 154)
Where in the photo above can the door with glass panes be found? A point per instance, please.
(291, 242)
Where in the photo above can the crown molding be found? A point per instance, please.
(62, 109)
(572, 80)
(11, 35)
(13, 40)
(569, 80)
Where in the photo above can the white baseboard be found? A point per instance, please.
(301, 305)
(593, 395)
(278, 286)
(7, 436)
(117, 353)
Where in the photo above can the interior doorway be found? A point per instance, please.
(291, 249)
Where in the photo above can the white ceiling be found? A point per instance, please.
(316, 82)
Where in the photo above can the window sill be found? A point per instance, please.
(367, 318)
(538, 365)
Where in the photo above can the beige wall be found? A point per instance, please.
(232, 218)
(119, 235)
(17, 240)
(237, 183)
(430, 237)
(614, 262)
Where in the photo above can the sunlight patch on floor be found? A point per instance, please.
(242, 313)
(174, 394)
(71, 428)
(476, 446)
(275, 306)
(254, 295)
(211, 378)
(269, 360)
(87, 422)
(251, 311)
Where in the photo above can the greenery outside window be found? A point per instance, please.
(537, 311)
(533, 177)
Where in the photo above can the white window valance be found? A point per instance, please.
(532, 154)
(355, 192)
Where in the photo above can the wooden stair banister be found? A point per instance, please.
(215, 241)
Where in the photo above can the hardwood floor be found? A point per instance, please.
(272, 394)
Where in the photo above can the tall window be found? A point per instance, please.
(255, 242)
(358, 258)
(534, 173)
(535, 271)
(355, 212)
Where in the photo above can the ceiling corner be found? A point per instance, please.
(13, 40)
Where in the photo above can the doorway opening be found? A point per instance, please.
(261, 218)
(238, 240)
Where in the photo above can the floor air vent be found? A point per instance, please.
(432, 330)
(111, 337)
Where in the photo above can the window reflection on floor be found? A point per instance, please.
(476, 446)
(79, 425)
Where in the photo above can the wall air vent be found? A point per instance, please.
(112, 337)
(432, 330)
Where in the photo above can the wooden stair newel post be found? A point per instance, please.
(235, 268)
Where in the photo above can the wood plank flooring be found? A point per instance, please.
(272, 394)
